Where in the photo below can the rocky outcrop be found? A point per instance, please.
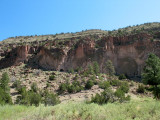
(16, 56)
(128, 53)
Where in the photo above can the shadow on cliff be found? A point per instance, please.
(6, 62)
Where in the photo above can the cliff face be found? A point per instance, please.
(128, 53)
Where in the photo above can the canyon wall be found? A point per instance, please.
(128, 54)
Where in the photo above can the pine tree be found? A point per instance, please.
(4, 82)
(96, 68)
(4, 90)
(151, 74)
(90, 70)
(110, 68)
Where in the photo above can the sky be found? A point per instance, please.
(41, 17)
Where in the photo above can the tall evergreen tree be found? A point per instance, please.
(90, 70)
(5, 97)
(110, 68)
(151, 74)
(96, 68)
(4, 82)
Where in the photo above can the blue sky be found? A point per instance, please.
(30, 17)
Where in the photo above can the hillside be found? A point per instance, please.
(127, 48)
(93, 74)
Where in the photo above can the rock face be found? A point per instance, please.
(128, 53)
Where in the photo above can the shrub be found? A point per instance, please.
(51, 77)
(122, 76)
(48, 85)
(75, 87)
(21, 89)
(140, 89)
(5, 98)
(104, 97)
(34, 87)
(51, 99)
(85, 74)
(90, 70)
(99, 99)
(93, 78)
(132, 84)
(71, 70)
(34, 98)
(17, 84)
(121, 95)
(63, 88)
(115, 82)
(104, 85)
(28, 98)
(96, 68)
(24, 97)
(71, 88)
(89, 84)
(124, 87)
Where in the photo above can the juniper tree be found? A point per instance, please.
(110, 68)
(96, 68)
(4, 82)
(151, 74)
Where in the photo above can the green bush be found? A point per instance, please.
(71, 71)
(140, 89)
(17, 84)
(50, 99)
(89, 84)
(48, 85)
(75, 87)
(90, 70)
(34, 87)
(85, 74)
(115, 82)
(51, 77)
(24, 97)
(34, 98)
(63, 87)
(122, 76)
(21, 89)
(104, 85)
(5, 98)
(120, 94)
(104, 97)
(71, 88)
(93, 78)
(124, 87)
(96, 67)
(28, 97)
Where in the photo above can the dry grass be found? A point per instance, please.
(141, 109)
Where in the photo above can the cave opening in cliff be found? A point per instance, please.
(61, 70)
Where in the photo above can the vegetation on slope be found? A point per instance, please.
(105, 105)
(140, 109)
